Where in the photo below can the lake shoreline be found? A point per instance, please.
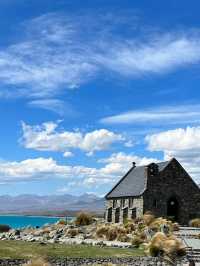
(22, 221)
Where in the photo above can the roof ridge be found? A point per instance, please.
(136, 176)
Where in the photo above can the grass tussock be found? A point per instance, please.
(148, 218)
(102, 231)
(162, 245)
(195, 223)
(84, 219)
(72, 232)
(62, 222)
(112, 232)
(37, 262)
(137, 241)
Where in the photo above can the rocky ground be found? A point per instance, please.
(159, 237)
(61, 233)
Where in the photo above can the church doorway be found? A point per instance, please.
(173, 209)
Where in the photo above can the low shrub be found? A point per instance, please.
(62, 222)
(102, 231)
(173, 247)
(154, 251)
(175, 227)
(112, 234)
(4, 228)
(148, 218)
(195, 223)
(72, 232)
(123, 238)
(83, 219)
(137, 241)
(130, 227)
(163, 245)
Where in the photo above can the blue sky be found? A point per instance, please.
(88, 87)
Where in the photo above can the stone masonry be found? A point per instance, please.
(165, 189)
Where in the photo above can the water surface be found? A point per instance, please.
(23, 221)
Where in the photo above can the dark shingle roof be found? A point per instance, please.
(133, 183)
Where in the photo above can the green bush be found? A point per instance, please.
(4, 228)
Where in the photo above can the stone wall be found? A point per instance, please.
(173, 182)
(137, 204)
(134, 261)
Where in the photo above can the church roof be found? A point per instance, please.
(133, 183)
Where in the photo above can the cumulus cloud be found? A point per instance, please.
(31, 169)
(182, 143)
(85, 177)
(45, 137)
(169, 114)
(177, 139)
(60, 52)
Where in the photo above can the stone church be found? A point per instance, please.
(164, 188)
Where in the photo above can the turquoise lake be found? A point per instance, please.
(23, 221)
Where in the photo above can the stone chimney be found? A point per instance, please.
(152, 169)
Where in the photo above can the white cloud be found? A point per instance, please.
(31, 169)
(59, 52)
(177, 139)
(68, 154)
(169, 114)
(46, 168)
(53, 105)
(184, 144)
(163, 54)
(46, 138)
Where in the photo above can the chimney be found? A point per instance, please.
(152, 169)
(134, 164)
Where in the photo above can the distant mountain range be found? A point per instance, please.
(50, 205)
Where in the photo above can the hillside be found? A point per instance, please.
(50, 205)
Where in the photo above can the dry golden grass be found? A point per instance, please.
(112, 234)
(83, 219)
(72, 232)
(102, 231)
(148, 218)
(137, 241)
(195, 223)
(130, 227)
(62, 222)
(37, 262)
(176, 227)
(163, 245)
